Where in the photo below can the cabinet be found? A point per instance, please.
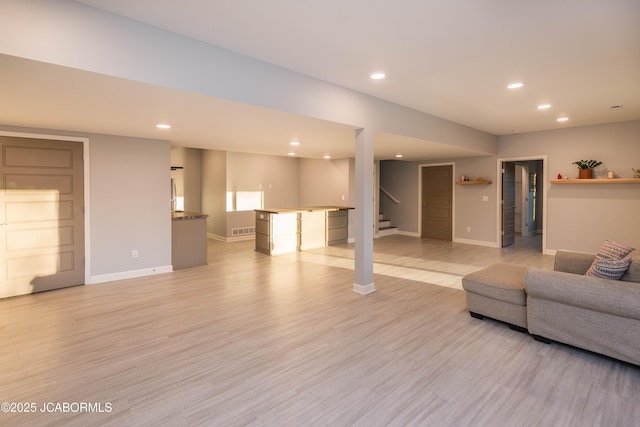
(188, 240)
(281, 231)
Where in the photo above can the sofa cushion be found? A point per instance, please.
(593, 293)
(633, 272)
(502, 282)
(572, 262)
(612, 269)
(613, 250)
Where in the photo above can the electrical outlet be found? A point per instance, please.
(134, 253)
(468, 229)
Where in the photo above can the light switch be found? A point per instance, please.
(485, 198)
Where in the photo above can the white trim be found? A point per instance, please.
(408, 233)
(453, 194)
(545, 193)
(86, 183)
(240, 238)
(129, 274)
(230, 239)
(477, 243)
(364, 289)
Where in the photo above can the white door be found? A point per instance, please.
(41, 215)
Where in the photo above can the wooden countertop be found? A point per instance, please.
(303, 209)
(180, 215)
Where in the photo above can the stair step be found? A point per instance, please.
(387, 231)
(384, 224)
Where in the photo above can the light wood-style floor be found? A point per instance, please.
(283, 341)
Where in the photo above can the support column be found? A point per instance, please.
(363, 220)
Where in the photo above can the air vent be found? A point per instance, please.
(244, 231)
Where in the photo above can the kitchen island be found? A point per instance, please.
(287, 230)
(188, 239)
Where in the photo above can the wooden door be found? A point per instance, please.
(508, 203)
(41, 215)
(437, 202)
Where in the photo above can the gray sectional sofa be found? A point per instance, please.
(591, 313)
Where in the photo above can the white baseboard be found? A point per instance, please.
(477, 242)
(128, 274)
(408, 233)
(364, 289)
(216, 237)
(231, 239)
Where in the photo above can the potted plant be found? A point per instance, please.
(586, 167)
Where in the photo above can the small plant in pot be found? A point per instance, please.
(586, 167)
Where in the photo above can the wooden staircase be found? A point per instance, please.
(384, 226)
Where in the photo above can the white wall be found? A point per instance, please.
(130, 204)
(214, 182)
(470, 208)
(324, 182)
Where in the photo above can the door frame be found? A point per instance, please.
(545, 173)
(86, 176)
(453, 195)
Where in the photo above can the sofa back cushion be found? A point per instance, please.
(572, 262)
(633, 272)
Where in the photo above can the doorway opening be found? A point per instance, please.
(522, 211)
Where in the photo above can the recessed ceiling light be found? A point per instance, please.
(544, 106)
(562, 119)
(163, 126)
(399, 156)
(378, 75)
(294, 143)
(326, 156)
(291, 153)
(515, 85)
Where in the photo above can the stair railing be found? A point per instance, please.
(386, 192)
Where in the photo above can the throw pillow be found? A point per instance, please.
(608, 268)
(613, 250)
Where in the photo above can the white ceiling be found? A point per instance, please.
(60, 98)
(452, 59)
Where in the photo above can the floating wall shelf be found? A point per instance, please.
(597, 181)
(483, 182)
